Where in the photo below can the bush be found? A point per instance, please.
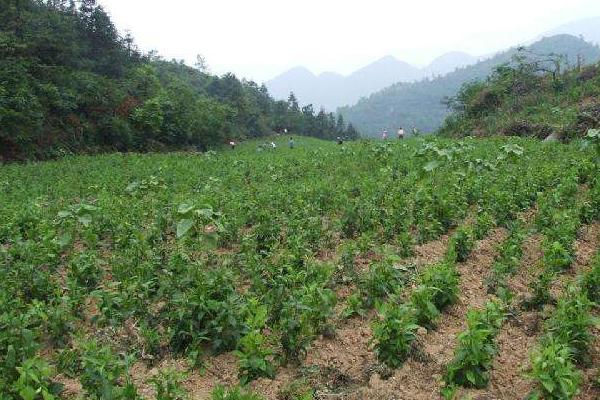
(461, 244)
(540, 291)
(254, 355)
(422, 301)
(556, 257)
(485, 222)
(382, 280)
(221, 393)
(590, 284)
(167, 384)
(477, 348)
(552, 370)
(444, 278)
(394, 333)
(571, 323)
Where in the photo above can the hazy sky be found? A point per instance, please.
(258, 39)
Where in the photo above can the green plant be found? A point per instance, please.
(355, 306)
(443, 277)
(34, 381)
(101, 370)
(461, 244)
(540, 291)
(476, 347)
(556, 257)
(552, 370)
(422, 300)
(221, 393)
(382, 280)
(484, 223)
(571, 323)
(167, 384)
(253, 353)
(590, 284)
(393, 333)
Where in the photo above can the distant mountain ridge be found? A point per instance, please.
(332, 90)
(421, 104)
(588, 28)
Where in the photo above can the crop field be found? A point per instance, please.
(419, 269)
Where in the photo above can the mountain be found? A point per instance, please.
(331, 90)
(449, 62)
(527, 103)
(421, 104)
(588, 28)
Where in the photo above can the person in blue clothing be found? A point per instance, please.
(291, 142)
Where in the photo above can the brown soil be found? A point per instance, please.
(586, 246)
(421, 377)
(590, 388)
(430, 252)
(519, 334)
(71, 387)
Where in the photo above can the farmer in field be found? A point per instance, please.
(232, 144)
(384, 134)
(401, 133)
(339, 140)
(291, 142)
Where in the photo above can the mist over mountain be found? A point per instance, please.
(588, 28)
(448, 62)
(421, 104)
(331, 90)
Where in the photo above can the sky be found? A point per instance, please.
(260, 39)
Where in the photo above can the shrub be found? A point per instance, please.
(461, 244)
(444, 278)
(552, 370)
(477, 348)
(485, 222)
(556, 257)
(382, 280)
(394, 333)
(254, 355)
(590, 284)
(167, 384)
(101, 371)
(422, 301)
(221, 393)
(571, 322)
(540, 291)
(34, 381)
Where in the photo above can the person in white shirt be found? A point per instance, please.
(384, 135)
(401, 133)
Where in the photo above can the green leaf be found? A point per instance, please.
(431, 165)
(85, 220)
(185, 208)
(184, 226)
(28, 393)
(64, 214)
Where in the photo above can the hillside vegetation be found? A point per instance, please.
(301, 273)
(423, 104)
(70, 83)
(528, 99)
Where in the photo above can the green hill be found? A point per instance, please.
(422, 104)
(70, 83)
(528, 99)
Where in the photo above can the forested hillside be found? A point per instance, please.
(69, 82)
(528, 99)
(423, 104)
